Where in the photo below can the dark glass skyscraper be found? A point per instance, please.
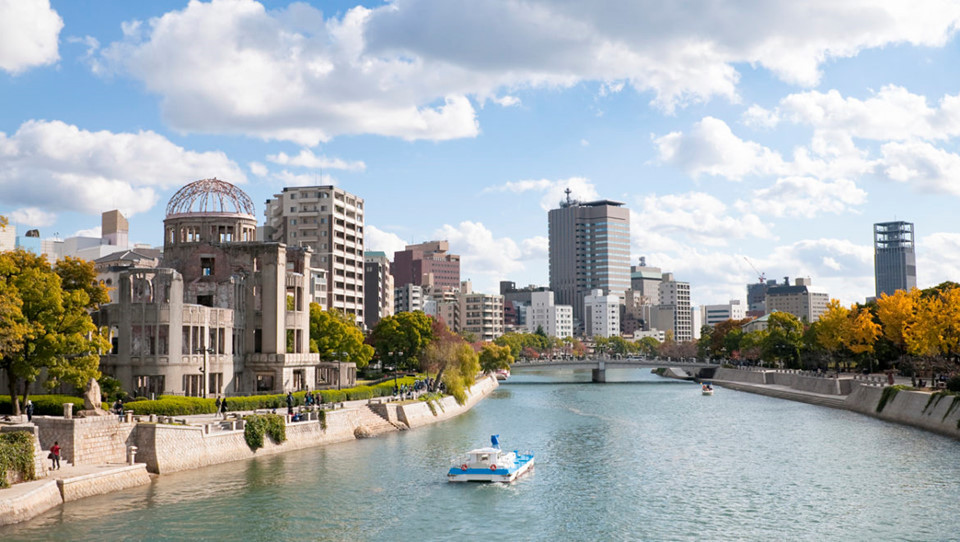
(895, 263)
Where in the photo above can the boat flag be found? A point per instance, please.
(495, 441)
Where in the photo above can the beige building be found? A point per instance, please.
(222, 313)
(801, 299)
(377, 288)
(330, 221)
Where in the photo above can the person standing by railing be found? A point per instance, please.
(55, 456)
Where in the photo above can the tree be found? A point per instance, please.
(77, 274)
(58, 335)
(407, 332)
(648, 346)
(783, 340)
(833, 329)
(335, 336)
(863, 332)
(494, 357)
(453, 360)
(897, 313)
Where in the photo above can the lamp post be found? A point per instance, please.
(203, 369)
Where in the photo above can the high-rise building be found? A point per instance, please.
(601, 314)
(330, 221)
(554, 320)
(895, 263)
(589, 250)
(675, 301)
(407, 298)
(377, 288)
(801, 300)
(427, 263)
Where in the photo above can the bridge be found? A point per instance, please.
(599, 366)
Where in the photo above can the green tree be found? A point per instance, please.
(494, 357)
(407, 332)
(784, 338)
(335, 336)
(648, 346)
(452, 359)
(59, 337)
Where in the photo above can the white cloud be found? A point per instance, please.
(57, 166)
(96, 232)
(759, 117)
(287, 178)
(938, 258)
(507, 101)
(32, 217)
(584, 143)
(712, 148)
(406, 69)
(29, 30)
(258, 169)
(553, 191)
(927, 168)
(893, 114)
(486, 259)
(307, 159)
(840, 267)
(805, 197)
(376, 239)
(698, 216)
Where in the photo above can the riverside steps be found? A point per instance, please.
(599, 365)
(858, 393)
(105, 454)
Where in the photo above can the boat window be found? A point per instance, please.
(484, 457)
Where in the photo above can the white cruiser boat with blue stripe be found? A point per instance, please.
(492, 465)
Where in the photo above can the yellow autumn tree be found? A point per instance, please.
(897, 312)
(920, 333)
(863, 332)
(833, 327)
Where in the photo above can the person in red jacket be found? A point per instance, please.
(55, 455)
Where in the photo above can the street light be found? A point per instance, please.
(203, 369)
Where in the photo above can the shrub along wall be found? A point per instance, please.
(16, 457)
(45, 405)
(173, 405)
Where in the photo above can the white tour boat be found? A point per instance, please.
(492, 465)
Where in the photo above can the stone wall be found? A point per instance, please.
(171, 448)
(741, 375)
(30, 504)
(801, 382)
(102, 483)
(907, 407)
(87, 441)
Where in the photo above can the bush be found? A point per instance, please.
(16, 454)
(954, 383)
(172, 405)
(43, 405)
(257, 425)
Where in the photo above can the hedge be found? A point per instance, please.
(16, 454)
(45, 405)
(257, 425)
(175, 405)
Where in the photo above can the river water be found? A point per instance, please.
(650, 459)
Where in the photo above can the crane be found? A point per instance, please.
(760, 276)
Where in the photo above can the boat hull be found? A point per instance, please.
(524, 465)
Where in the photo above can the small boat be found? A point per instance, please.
(502, 374)
(706, 389)
(492, 465)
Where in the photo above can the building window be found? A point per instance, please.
(216, 383)
(206, 266)
(264, 382)
(191, 385)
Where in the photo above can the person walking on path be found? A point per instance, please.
(290, 402)
(29, 410)
(217, 404)
(55, 455)
(223, 408)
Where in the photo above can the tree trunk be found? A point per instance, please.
(436, 381)
(14, 402)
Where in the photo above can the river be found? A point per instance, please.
(650, 459)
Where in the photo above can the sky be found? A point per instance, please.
(745, 137)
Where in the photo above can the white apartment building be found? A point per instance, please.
(408, 298)
(802, 299)
(675, 299)
(712, 315)
(555, 320)
(330, 221)
(601, 314)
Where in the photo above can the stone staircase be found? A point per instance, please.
(372, 423)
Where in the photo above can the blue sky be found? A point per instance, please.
(777, 132)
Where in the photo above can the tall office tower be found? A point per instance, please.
(330, 221)
(895, 263)
(427, 263)
(589, 250)
(377, 288)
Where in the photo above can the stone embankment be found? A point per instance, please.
(95, 449)
(918, 409)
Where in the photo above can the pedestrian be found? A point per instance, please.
(29, 410)
(289, 402)
(55, 455)
(118, 408)
(223, 408)
(217, 404)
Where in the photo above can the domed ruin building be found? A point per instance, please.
(223, 313)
